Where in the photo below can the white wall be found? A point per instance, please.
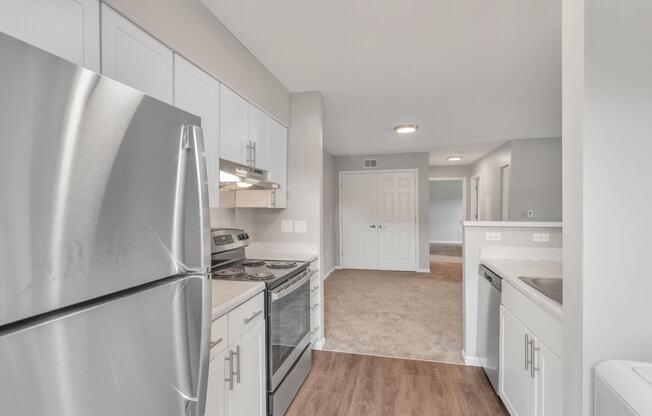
(446, 210)
(188, 27)
(417, 161)
(535, 181)
(608, 154)
(328, 214)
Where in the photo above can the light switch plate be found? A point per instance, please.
(300, 226)
(493, 236)
(287, 226)
(541, 237)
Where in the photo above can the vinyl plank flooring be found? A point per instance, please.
(343, 384)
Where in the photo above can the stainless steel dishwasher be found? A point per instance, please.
(489, 292)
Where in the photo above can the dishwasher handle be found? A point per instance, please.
(494, 280)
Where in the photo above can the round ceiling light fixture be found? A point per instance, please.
(454, 158)
(406, 128)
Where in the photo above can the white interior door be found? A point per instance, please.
(475, 198)
(504, 174)
(397, 221)
(359, 192)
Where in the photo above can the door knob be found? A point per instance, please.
(381, 226)
(372, 226)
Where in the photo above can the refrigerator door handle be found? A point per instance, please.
(196, 142)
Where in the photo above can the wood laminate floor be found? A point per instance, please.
(342, 384)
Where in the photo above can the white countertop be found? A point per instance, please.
(280, 255)
(516, 224)
(227, 295)
(510, 270)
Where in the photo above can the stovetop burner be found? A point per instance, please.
(260, 276)
(229, 273)
(253, 262)
(281, 264)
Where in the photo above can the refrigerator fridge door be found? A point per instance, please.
(101, 186)
(133, 354)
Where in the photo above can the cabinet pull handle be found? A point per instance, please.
(216, 342)
(527, 351)
(533, 351)
(255, 314)
(230, 378)
(237, 373)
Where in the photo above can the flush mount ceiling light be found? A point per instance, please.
(454, 158)
(406, 128)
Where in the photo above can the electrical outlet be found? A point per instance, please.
(530, 213)
(541, 237)
(493, 236)
(287, 226)
(300, 226)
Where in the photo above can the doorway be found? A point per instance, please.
(379, 220)
(475, 198)
(446, 208)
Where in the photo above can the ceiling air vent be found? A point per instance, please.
(370, 163)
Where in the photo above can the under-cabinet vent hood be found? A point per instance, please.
(241, 177)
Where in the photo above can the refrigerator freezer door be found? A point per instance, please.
(99, 185)
(133, 355)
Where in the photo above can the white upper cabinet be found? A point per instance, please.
(67, 28)
(278, 156)
(199, 93)
(234, 127)
(133, 57)
(259, 137)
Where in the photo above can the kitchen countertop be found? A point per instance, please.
(510, 270)
(280, 255)
(227, 295)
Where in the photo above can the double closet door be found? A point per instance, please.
(379, 220)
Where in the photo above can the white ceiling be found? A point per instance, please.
(466, 71)
(470, 152)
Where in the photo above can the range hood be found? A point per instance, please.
(239, 177)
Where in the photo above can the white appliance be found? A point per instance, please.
(623, 388)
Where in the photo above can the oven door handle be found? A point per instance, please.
(294, 286)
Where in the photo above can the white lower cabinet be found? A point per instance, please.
(530, 373)
(237, 375)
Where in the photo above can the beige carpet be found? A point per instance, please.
(396, 314)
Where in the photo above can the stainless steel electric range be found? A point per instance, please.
(287, 305)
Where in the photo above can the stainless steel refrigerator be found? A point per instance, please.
(104, 245)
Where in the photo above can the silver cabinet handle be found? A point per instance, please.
(533, 351)
(230, 378)
(527, 351)
(216, 342)
(314, 306)
(237, 354)
(255, 314)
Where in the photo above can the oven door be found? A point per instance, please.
(289, 326)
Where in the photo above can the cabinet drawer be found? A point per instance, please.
(246, 316)
(219, 332)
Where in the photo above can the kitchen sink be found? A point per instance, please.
(550, 286)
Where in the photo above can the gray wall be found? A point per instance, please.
(395, 161)
(607, 75)
(328, 214)
(446, 210)
(491, 182)
(305, 147)
(535, 181)
(189, 28)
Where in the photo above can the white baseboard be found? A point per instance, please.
(445, 242)
(319, 344)
(423, 270)
(329, 273)
(338, 268)
(473, 361)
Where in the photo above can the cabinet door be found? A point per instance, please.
(217, 394)
(516, 385)
(67, 28)
(278, 161)
(234, 127)
(197, 92)
(249, 395)
(550, 381)
(259, 134)
(133, 57)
